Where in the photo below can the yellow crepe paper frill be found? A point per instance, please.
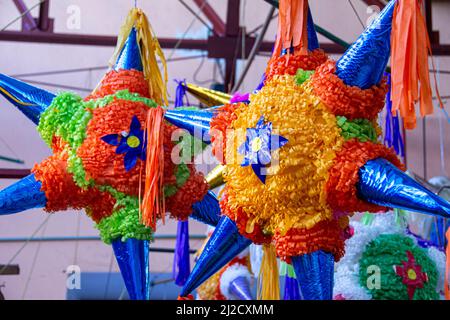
(294, 194)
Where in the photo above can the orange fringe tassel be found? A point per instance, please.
(292, 26)
(153, 205)
(410, 50)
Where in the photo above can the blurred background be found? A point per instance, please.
(66, 44)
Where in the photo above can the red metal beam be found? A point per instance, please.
(233, 30)
(28, 22)
(196, 44)
(92, 40)
(232, 26)
(44, 22)
(213, 17)
(14, 173)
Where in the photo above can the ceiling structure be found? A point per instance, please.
(227, 40)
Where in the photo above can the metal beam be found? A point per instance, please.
(232, 26)
(433, 35)
(232, 29)
(9, 269)
(167, 43)
(213, 17)
(28, 22)
(44, 22)
(255, 49)
(91, 40)
(14, 173)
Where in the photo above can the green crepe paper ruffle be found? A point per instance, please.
(361, 129)
(387, 251)
(68, 116)
(123, 95)
(182, 174)
(124, 223)
(302, 75)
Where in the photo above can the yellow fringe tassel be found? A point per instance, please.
(269, 286)
(149, 47)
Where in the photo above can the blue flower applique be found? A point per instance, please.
(258, 146)
(131, 143)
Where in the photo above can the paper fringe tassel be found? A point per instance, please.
(153, 201)
(409, 59)
(180, 94)
(269, 286)
(292, 26)
(150, 48)
(181, 261)
(291, 290)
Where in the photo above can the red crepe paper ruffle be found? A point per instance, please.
(61, 191)
(327, 235)
(195, 188)
(131, 80)
(290, 63)
(348, 101)
(219, 125)
(343, 175)
(100, 160)
(241, 219)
